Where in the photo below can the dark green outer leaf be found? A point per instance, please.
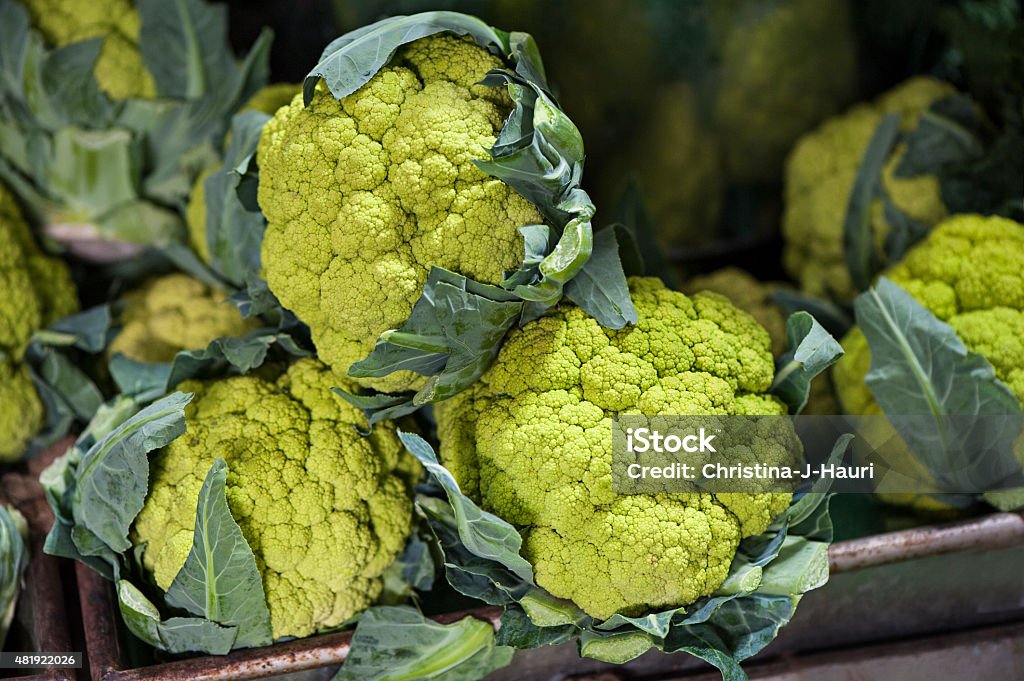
(184, 46)
(399, 644)
(811, 351)
(219, 580)
(175, 635)
(483, 533)
(600, 288)
(72, 94)
(234, 234)
(113, 475)
(920, 367)
(858, 240)
(518, 631)
(348, 62)
(948, 132)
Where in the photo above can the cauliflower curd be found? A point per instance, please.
(119, 70)
(363, 195)
(324, 509)
(37, 291)
(531, 442)
(820, 173)
(969, 272)
(174, 313)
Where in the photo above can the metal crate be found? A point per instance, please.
(917, 582)
(47, 613)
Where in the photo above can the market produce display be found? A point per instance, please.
(343, 356)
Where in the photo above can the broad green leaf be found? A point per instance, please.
(234, 234)
(400, 644)
(452, 335)
(88, 330)
(348, 62)
(483, 533)
(184, 46)
(175, 635)
(72, 94)
(94, 171)
(921, 368)
(858, 238)
(600, 288)
(13, 562)
(113, 476)
(614, 648)
(518, 631)
(146, 381)
(948, 132)
(219, 580)
(811, 351)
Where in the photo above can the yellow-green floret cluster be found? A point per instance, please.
(36, 291)
(363, 195)
(324, 509)
(173, 313)
(969, 272)
(531, 442)
(119, 70)
(819, 180)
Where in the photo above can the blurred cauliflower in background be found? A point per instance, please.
(119, 70)
(784, 66)
(36, 291)
(174, 313)
(820, 174)
(677, 165)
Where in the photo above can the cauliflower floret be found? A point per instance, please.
(820, 174)
(173, 313)
(324, 509)
(363, 195)
(755, 298)
(37, 291)
(531, 442)
(119, 70)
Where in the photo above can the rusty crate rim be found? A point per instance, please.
(990, 532)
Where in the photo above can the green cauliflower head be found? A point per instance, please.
(820, 174)
(785, 66)
(37, 291)
(119, 70)
(324, 509)
(969, 272)
(531, 442)
(173, 313)
(364, 194)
